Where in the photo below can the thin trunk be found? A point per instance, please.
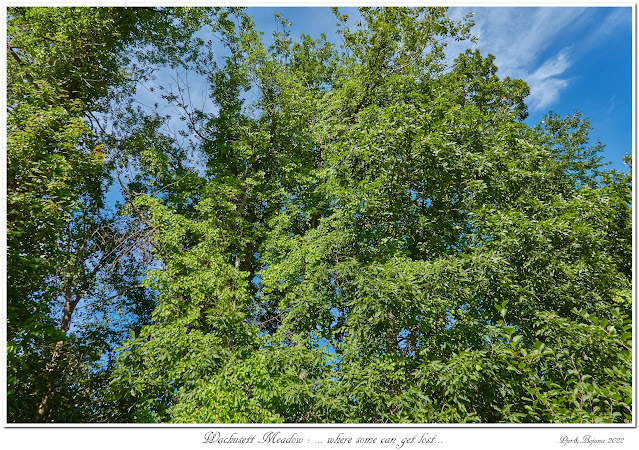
(69, 307)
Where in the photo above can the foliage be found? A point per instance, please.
(65, 65)
(377, 237)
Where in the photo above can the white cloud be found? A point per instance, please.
(519, 37)
(545, 86)
(618, 17)
(552, 67)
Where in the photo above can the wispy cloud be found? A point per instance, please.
(545, 84)
(617, 18)
(524, 41)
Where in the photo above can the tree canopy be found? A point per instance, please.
(355, 232)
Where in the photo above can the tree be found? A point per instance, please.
(65, 66)
(382, 239)
(377, 237)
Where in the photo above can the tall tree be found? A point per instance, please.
(380, 238)
(65, 67)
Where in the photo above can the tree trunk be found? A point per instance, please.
(69, 307)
